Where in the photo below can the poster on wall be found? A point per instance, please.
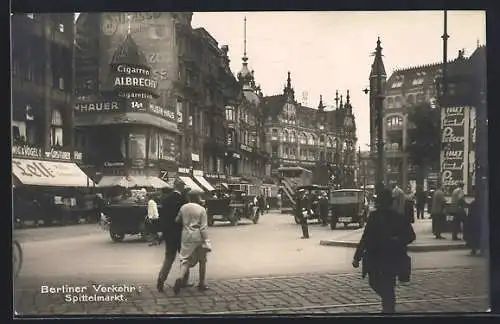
(457, 148)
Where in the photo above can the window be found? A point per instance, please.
(137, 146)
(310, 140)
(417, 81)
(230, 113)
(389, 103)
(329, 143)
(397, 102)
(394, 121)
(60, 28)
(397, 84)
(153, 153)
(293, 137)
(30, 71)
(410, 99)
(61, 83)
(19, 132)
(274, 134)
(56, 129)
(303, 138)
(322, 139)
(420, 98)
(30, 15)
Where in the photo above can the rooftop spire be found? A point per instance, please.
(348, 98)
(341, 102)
(477, 43)
(245, 58)
(378, 68)
(337, 99)
(321, 106)
(289, 81)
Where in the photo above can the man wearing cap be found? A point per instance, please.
(300, 204)
(171, 231)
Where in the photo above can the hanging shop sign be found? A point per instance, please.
(26, 151)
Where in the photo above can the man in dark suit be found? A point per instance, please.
(171, 230)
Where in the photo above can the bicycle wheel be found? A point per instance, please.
(17, 258)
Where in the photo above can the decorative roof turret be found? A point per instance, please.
(341, 102)
(378, 68)
(245, 76)
(347, 105)
(337, 99)
(288, 90)
(321, 107)
(129, 53)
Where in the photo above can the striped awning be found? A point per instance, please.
(204, 183)
(133, 181)
(191, 184)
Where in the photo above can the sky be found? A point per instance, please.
(329, 51)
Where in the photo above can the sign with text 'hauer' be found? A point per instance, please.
(101, 106)
(457, 148)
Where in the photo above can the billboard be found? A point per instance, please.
(458, 148)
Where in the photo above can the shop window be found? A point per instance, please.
(137, 146)
(153, 153)
(230, 113)
(167, 147)
(56, 129)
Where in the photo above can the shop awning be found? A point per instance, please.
(126, 118)
(49, 173)
(133, 181)
(191, 184)
(204, 183)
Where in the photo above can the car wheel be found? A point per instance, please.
(117, 237)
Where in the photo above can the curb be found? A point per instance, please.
(411, 248)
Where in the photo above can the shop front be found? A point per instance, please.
(49, 186)
(198, 177)
(216, 179)
(185, 175)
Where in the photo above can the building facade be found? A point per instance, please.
(366, 173)
(408, 87)
(42, 86)
(310, 138)
(125, 113)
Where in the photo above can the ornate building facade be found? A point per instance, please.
(412, 86)
(311, 138)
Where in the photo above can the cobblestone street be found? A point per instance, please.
(438, 290)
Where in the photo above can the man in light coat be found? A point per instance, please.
(458, 210)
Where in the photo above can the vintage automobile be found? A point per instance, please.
(127, 217)
(348, 206)
(231, 206)
(311, 208)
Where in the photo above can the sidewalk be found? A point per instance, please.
(434, 290)
(425, 241)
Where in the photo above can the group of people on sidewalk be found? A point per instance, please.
(383, 248)
(183, 223)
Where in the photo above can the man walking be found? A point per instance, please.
(171, 231)
(420, 200)
(437, 213)
(458, 210)
(299, 211)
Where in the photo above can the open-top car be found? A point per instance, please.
(231, 206)
(348, 206)
(310, 203)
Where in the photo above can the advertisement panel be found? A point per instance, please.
(457, 149)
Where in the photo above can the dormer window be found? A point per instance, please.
(397, 84)
(418, 81)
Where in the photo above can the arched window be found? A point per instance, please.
(56, 129)
(329, 143)
(397, 102)
(303, 138)
(314, 139)
(322, 139)
(310, 139)
(286, 135)
(389, 103)
(394, 121)
(293, 137)
(274, 134)
(410, 99)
